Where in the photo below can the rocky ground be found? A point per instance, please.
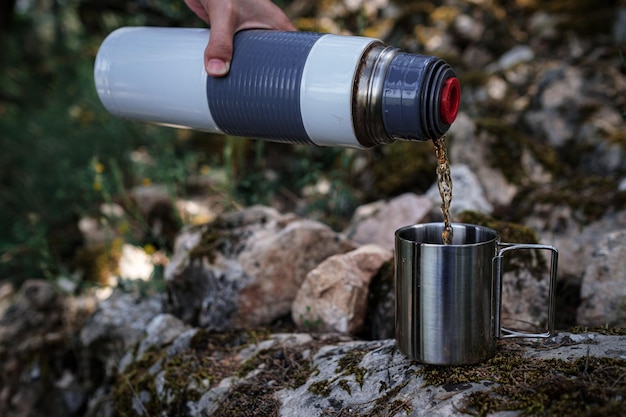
(264, 312)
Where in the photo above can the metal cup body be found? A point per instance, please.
(445, 294)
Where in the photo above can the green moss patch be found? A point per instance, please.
(347, 366)
(512, 233)
(589, 196)
(610, 331)
(403, 166)
(215, 237)
(273, 369)
(181, 378)
(583, 387)
(506, 146)
(507, 231)
(164, 384)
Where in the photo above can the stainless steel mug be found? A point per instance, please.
(448, 297)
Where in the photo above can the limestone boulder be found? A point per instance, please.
(245, 269)
(376, 223)
(467, 193)
(603, 289)
(291, 375)
(334, 295)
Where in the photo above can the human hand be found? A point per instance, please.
(227, 17)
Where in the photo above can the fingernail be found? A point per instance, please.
(217, 67)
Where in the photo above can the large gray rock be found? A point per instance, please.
(603, 290)
(292, 375)
(245, 269)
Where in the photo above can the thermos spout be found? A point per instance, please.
(293, 87)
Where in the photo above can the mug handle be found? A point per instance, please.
(497, 268)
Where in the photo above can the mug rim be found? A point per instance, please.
(439, 225)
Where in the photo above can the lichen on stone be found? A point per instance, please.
(214, 237)
(611, 331)
(158, 381)
(582, 387)
(401, 166)
(510, 232)
(349, 363)
(589, 196)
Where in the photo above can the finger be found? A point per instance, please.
(219, 50)
(263, 15)
(198, 9)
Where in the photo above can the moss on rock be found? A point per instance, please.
(100, 262)
(274, 369)
(610, 331)
(403, 166)
(589, 196)
(508, 231)
(582, 387)
(507, 144)
(214, 237)
(159, 382)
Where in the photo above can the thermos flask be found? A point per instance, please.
(292, 87)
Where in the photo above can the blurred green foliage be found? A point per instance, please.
(58, 144)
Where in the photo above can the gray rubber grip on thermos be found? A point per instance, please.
(260, 97)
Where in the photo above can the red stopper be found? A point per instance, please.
(450, 100)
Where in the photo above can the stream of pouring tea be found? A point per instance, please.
(444, 182)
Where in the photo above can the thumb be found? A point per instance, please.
(219, 50)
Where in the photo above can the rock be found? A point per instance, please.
(93, 232)
(161, 331)
(575, 110)
(605, 156)
(619, 28)
(475, 57)
(196, 211)
(496, 88)
(468, 27)
(135, 263)
(147, 197)
(603, 290)
(7, 292)
(561, 93)
(376, 223)
(537, 84)
(525, 298)
(467, 193)
(36, 310)
(516, 55)
(381, 305)
(298, 374)
(334, 295)
(470, 148)
(245, 269)
(118, 324)
(41, 368)
(576, 243)
(543, 26)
